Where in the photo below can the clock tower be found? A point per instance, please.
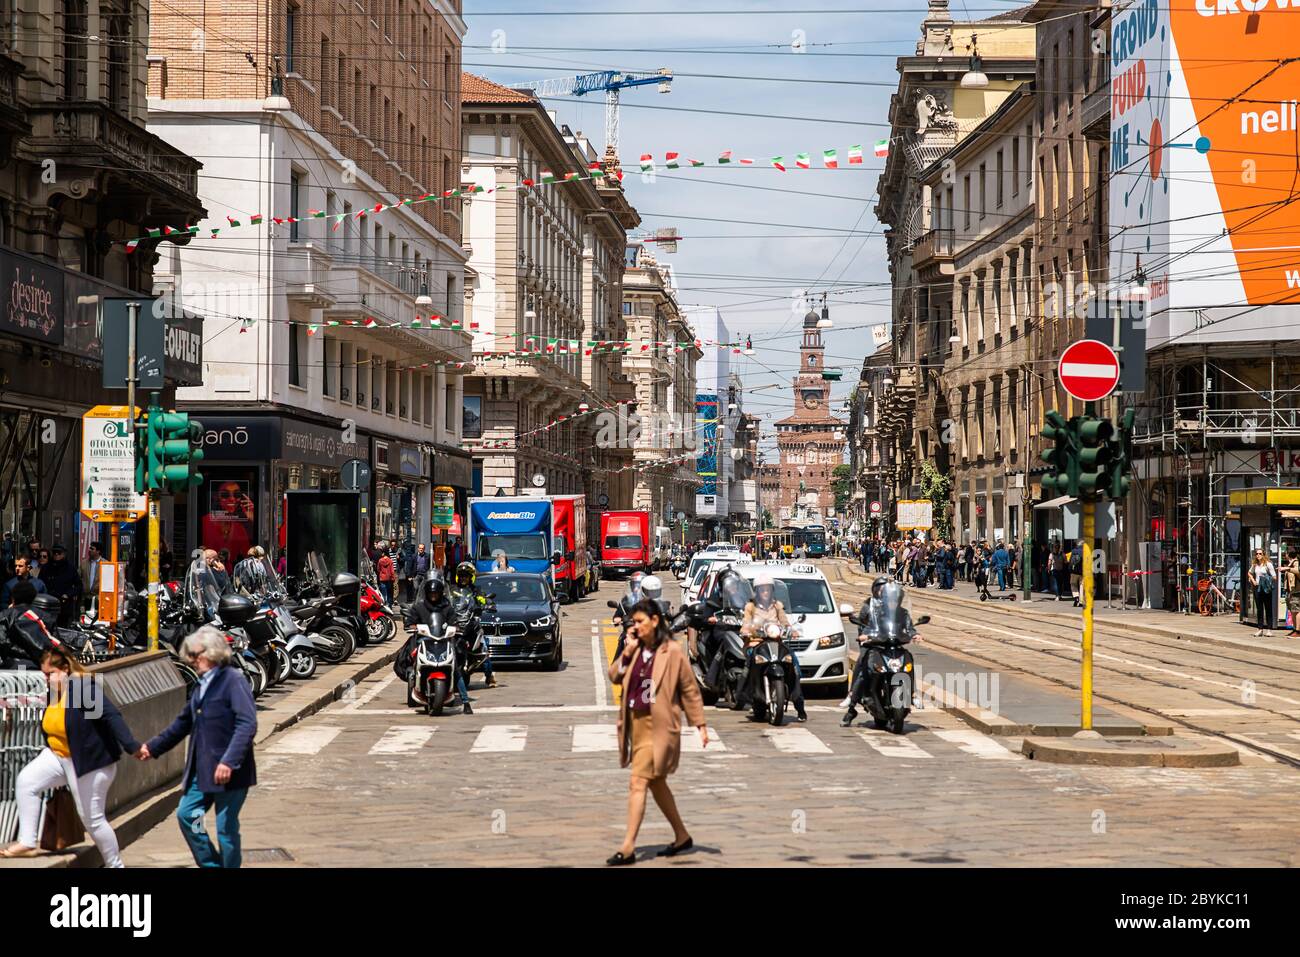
(807, 439)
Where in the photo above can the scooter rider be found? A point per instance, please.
(653, 588)
(623, 613)
(733, 596)
(887, 605)
(434, 602)
(464, 582)
(27, 627)
(867, 627)
(759, 613)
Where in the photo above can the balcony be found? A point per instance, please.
(1095, 115)
(360, 293)
(307, 276)
(143, 170)
(934, 248)
(12, 118)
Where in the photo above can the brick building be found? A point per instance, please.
(810, 441)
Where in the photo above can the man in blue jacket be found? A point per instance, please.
(221, 721)
(1000, 562)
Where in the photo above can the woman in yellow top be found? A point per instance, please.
(84, 738)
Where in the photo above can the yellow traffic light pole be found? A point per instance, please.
(1087, 584)
(154, 536)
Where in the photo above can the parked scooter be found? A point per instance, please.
(888, 668)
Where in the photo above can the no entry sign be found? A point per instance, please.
(1088, 370)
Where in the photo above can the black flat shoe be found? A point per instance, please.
(672, 850)
(619, 859)
(467, 709)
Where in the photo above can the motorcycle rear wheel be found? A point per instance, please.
(375, 628)
(302, 663)
(257, 675)
(343, 644)
(285, 668)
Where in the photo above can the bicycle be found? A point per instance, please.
(1212, 600)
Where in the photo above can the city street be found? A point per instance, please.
(532, 778)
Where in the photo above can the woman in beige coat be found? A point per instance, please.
(657, 684)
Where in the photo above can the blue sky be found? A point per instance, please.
(749, 271)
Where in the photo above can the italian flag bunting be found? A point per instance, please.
(830, 159)
(801, 160)
(855, 155)
(779, 162)
(569, 177)
(255, 219)
(370, 322)
(232, 221)
(131, 245)
(548, 176)
(457, 324)
(697, 162)
(746, 162)
(882, 147)
(647, 162)
(670, 160)
(725, 157)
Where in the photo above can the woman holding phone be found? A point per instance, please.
(657, 685)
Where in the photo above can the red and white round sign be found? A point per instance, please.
(1088, 370)
(875, 508)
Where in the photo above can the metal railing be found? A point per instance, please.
(22, 706)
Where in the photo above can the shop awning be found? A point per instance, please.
(1264, 496)
(1056, 502)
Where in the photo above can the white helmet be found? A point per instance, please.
(652, 587)
(764, 578)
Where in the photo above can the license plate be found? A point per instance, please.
(498, 640)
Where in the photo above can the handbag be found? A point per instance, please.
(63, 826)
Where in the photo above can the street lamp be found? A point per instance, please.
(277, 102)
(974, 79)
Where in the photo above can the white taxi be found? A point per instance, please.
(803, 591)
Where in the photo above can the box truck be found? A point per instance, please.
(625, 544)
(519, 526)
(569, 539)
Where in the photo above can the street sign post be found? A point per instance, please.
(1088, 370)
(108, 491)
(875, 508)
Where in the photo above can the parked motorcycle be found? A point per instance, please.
(380, 618)
(889, 667)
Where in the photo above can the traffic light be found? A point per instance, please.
(1121, 458)
(1094, 455)
(167, 451)
(1062, 457)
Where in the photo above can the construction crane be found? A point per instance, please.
(611, 81)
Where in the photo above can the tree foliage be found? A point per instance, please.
(937, 487)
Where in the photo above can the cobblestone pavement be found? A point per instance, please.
(532, 779)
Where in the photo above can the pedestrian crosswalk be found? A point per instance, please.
(789, 740)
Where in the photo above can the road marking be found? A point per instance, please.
(980, 745)
(892, 745)
(691, 742)
(525, 709)
(602, 694)
(403, 739)
(370, 695)
(796, 741)
(304, 740)
(594, 737)
(501, 737)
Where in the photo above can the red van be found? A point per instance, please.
(625, 543)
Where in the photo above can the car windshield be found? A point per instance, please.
(529, 547)
(807, 596)
(514, 589)
(623, 541)
(700, 573)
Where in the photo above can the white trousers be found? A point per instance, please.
(90, 791)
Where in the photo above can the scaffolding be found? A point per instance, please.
(1218, 422)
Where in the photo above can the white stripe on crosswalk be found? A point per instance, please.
(691, 742)
(501, 737)
(796, 741)
(980, 745)
(403, 739)
(303, 740)
(892, 745)
(595, 737)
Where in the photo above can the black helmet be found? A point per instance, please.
(878, 584)
(45, 604)
(464, 575)
(435, 589)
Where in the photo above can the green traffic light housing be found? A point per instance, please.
(1094, 454)
(167, 451)
(1062, 457)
